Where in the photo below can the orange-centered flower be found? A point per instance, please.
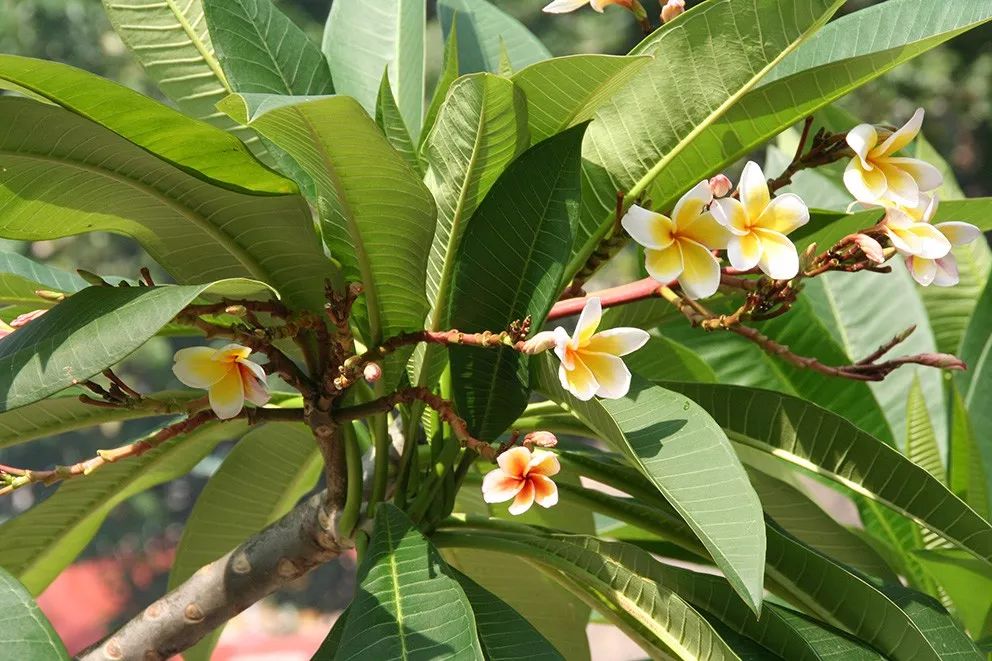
(524, 477)
(227, 374)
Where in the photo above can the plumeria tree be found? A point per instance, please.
(392, 306)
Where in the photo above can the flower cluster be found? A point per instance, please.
(905, 187)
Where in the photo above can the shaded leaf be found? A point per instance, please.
(25, 632)
(485, 32)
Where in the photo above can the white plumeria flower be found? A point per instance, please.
(875, 176)
(930, 261)
(759, 225)
(524, 477)
(590, 361)
(679, 248)
(226, 373)
(565, 6)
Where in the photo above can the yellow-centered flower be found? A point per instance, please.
(226, 373)
(875, 176)
(759, 225)
(524, 477)
(679, 248)
(926, 247)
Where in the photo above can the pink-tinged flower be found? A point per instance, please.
(565, 6)
(22, 320)
(590, 361)
(680, 248)
(926, 247)
(875, 176)
(721, 185)
(672, 9)
(759, 225)
(541, 439)
(226, 373)
(870, 247)
(524, 477)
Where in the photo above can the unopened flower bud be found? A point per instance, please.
(372, 372)
(236, 310)
(541, 439)
(539, 343)
(870, 247)
(720, 185)
(22, 320)
(50, 295)
(941, 360)
(671, 10)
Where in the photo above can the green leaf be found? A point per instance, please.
(387, 116)
(447, 77)
(976, 384)
(508, 267)
(25, 632)
(485, 32)
(52, 534)
(21, 277)
(363, 39)
(641, 131)
(806, 436)
(967, 581)
(566, 91)
(64, 412)
(662, 359)
(623, 573)
(261, 479)
(377, 217)
(262, 51)
(170, 135)
(408, 605)
(91, 331)
(968, 474)
(503, 633)
(685, 454)
(82, 177)
(921, 440)
(480, 129)
(176, 52)
(844, 55)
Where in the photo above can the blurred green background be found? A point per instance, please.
(952, 83)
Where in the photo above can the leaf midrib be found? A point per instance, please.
(394, 574)
(252, 265)
(194, 38)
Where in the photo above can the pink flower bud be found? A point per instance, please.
(671, 10)
(372, 372)
(23, 319)
(870, 247)
(720, 185)
(541, 439)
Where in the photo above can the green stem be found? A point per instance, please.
(353, 502)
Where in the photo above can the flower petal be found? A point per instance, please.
(731, 214)
(498, 487)
(862, 139)
(744, 252)
(705, 229)
(864, 185)
(779, 257)
(650, 229)
(926, 176)
(514, 462)
(544, 463)
(754, 190)
(930, 242)
(784, 214)
(700, 270)
(252, 367)
(664, 265)
(579, 380)
(232, 352)
(923, 270)
(545, 491)
(564, 6)
(691, 205)
(196, 367)
(588, 321)
(901, 188)
(524, 499)
(227, 396)
(563, 344)
(947, 271)
(610, 373)
(959, 233)
(901, 137)
(618, 341)
(256, 390)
